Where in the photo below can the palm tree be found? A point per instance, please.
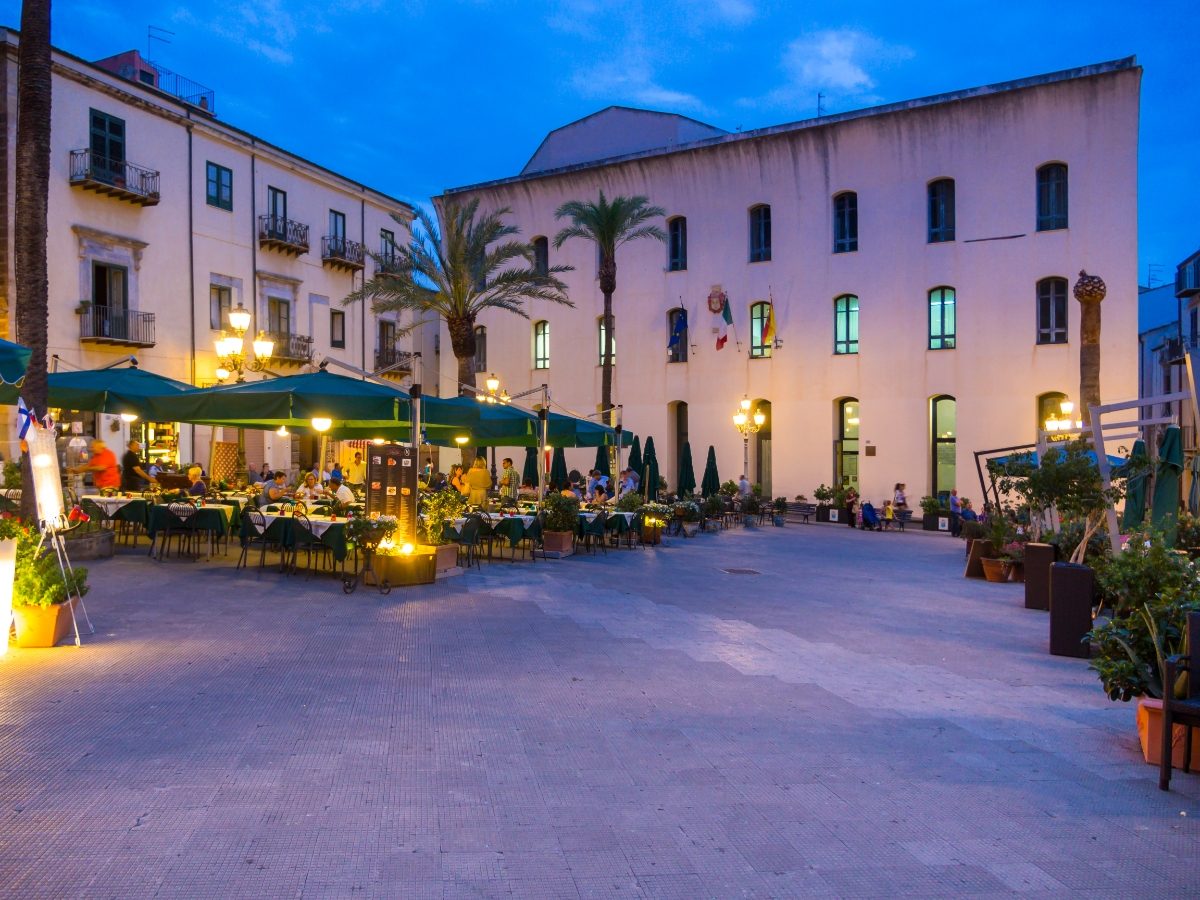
(475, 266)
(32, 190)
(608, 225)
(1090, 291)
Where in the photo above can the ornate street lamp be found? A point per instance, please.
(232, 361)
(493, 395)
(748, 422)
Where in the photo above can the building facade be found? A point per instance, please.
(899, 278)
(163, 218)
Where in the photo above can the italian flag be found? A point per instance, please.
(722, 323)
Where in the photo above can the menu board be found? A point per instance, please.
(392, 487)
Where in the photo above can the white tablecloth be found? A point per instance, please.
(109, 504)
(319, 524)
(589, 515)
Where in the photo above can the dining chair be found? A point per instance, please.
(255, 533)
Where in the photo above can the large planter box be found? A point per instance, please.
(402, 570)
(822, 513)
(447, 558)
(558, 543)
(935, 522)
(1072, 590)
(1038, 560)
(93, 545)
(1149, 728)
(981, 548)
(651, 534)
(42, 626)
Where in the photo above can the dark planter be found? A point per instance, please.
(1038, 559)
(1072, 590)
(935, 521)
(980, 549)
(822, 513)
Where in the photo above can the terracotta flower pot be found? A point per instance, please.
(651, 534)
(557, 542)
(42, 626)
(447, 557)
(1149, 728)
(980, 548)
(995, 569)
(1016, 571)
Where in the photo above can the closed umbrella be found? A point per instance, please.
(635, 457)
(1137, 473)
(650, 471)
(602, 465)
(687, 475)
(710, 484)
(14, 360)
(529, 474)
(558, 469)
(1164, 512)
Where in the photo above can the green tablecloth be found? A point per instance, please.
(207, 518)
(283, 532)
(136, 512)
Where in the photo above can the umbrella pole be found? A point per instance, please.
(617, 474)
(543, 439)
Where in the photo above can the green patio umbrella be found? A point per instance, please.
(602, 464)
(1164, 511)
(529, 474)
(635, 457)
(710, 484)
(14, 360)
(650, 471)
(558, 469)
(1137, 473)
(687, 475)
(1194, 490)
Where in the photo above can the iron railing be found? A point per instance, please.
(116, 326)
(1187, 278)
(291, 346)
(393, 359)
(91, 169)
(276, 229)
(340, 249)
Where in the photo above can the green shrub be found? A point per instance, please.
(630, 502)
(823, 494)
(562, 512)
(729, 488)
(39, 580)
(441, 507)
(12, 475)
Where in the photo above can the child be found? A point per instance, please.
(889, 515)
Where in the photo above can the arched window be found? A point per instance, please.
(1052, 197)
(1052, 311)
(677, 244)
(760, 233)
(762, 329)
(1049, 406)
(480, 348)
(943, 435)
(541, 345)
(677, 336)
(941, 210)
(600, 341)
(845, 324)
(845, 461)
(941, 318)
(541, 255)
(845, 222)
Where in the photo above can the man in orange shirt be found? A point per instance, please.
(102, 465)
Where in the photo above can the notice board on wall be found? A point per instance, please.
(392, 487)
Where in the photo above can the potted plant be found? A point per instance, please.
(42, 598)
(750, 509)
(439, 508)
(1150, 591)
(89, 540)
(935, 516)
(562, 518)
(823, 494)
(688, 512)
(713, 509)
(779, 509)
(1013, 555)
(654, 518)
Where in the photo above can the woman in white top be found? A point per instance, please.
(309, 490)
(899, 501)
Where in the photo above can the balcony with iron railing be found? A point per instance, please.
(290, 348)
(393, 363)
(284, 235)
(1187, 277)
(114, 177)
(389, 264)
(116, 327)
(341, 253)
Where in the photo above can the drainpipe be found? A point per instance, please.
(191, 271)
(362, 233)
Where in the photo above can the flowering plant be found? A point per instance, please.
(39, 580)
(370, 529)
(688, 510)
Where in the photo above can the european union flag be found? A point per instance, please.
(678, 331)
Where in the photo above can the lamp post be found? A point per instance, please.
(748, 422)
(493, 395)
(1065, 421)
(232, 360)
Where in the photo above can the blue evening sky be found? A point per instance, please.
(414, 97)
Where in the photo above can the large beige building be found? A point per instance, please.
(915, 261)
(162, 218)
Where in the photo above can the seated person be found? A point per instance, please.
(274, 490)
(197, 488)
(337, 490)
(968, 512)
(309, 490)
(599, 495)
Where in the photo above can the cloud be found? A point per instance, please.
(836, 62)
(631, 77)
(734, 12)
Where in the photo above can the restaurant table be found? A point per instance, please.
(282, 530)
(588, 515)
(216, 518)
(134, 510)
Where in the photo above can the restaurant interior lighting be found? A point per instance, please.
(377, 441)
(320, 423)
(461, 440)
(282, 431)
(128, 418)
(239, 318)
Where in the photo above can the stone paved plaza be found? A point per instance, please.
(855, 720)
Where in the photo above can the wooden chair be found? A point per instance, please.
(1185, 712)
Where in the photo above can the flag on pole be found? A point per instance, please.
(768, 335)
(722, 322)
(25, 418)
(678, 331)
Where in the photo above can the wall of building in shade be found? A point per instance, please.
(991, 142)
(168, 236)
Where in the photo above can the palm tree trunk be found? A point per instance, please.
(462, 342)
(608, 286)
(1089, 358)
(32, 191)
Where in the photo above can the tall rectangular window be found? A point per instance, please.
(220, 301)
(279, 315)
(218, 186)
(845, 324)
(387, 335)
(1052, 311)
(337, 231)
(480, 348)
(941, 318)
(107, 143)
(761, 337)
(760, 233)
(110, 287)
(387, 245)
(541, 345)
(941, 210)
(337, 328)
(1052, 197)
(277, 205)
(845, 222)
(541, 255)
(677, 244)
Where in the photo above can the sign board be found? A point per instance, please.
(392, 487)
(834, 514)
(943, 523)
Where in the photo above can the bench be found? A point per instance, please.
(903, 517)
(804, 511)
